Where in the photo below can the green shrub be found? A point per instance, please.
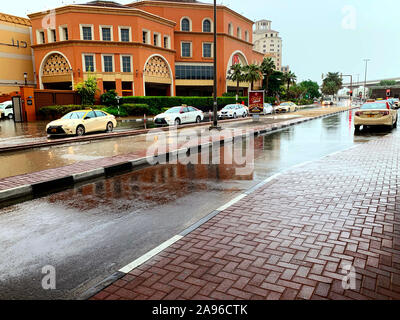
(109, 98)
(131, 109)
(53, 112)
(203, 103)
(115, 112)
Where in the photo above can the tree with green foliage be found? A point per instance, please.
(332, 83)
(267, 68)
(387, 83)
(87, 90)
(289, 78)
(236, 74)
(252, 73)
(296, 91)
(109, 98)
(311, 88)
(276, 82)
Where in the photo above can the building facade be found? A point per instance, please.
(144, 48)
(268, 42)
(16, 59)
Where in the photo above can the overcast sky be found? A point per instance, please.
(318, 36)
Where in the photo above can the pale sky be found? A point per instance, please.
(319, 36)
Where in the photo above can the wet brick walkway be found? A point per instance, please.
(290, 238)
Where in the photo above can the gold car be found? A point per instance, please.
(286, 107)
(81, 122)
(377, 113)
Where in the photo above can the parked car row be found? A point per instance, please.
(85, 121)
(6, 110)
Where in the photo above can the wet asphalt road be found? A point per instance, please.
(89, 232)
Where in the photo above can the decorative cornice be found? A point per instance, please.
(14, 19)
(220, 34)
(188, 5)
(106, 10)
(94, 43)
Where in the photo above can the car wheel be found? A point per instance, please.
(80, 130)
(244, 115)
(177, 121)
(234, 116)
(198, 120)
(110, 127)
(10, 116)
(357, 128)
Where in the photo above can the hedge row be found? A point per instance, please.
(203, 103)
(55, 112)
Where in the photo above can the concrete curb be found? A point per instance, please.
(58, 184)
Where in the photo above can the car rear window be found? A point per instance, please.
(374, 106)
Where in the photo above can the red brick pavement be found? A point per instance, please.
(290, 238)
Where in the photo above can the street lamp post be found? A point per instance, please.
(215, 109)
(365, 80)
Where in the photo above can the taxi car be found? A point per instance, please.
(378, 113)
(233, 111)
(82, 121)
(286, 107)
(179, 115)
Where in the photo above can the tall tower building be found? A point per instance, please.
(268, 42)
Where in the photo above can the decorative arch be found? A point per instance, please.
(183, 20)
(55, 65)
(158, 70)
(207, 23)
(234, 56)
(230, 29)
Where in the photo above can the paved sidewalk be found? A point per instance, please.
(290, 238)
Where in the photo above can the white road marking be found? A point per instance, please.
(128, 268)
(232, 202)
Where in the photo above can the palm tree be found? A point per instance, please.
(252, 73)
(332, 83)
(289, 78)
(267, 68)
(236, 74)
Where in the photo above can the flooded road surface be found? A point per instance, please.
(12, 133)
(89, 232)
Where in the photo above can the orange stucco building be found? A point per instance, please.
(143, 48)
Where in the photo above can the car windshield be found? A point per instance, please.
(374, 106)
(74, 115)
(173, 110)
(285, 104)
(230, 106)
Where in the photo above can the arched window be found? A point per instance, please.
(239, 33)
(185, 24)
(206, 25)
(230, 29)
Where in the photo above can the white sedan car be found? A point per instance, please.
(233, 111)
(179, 115)
(6, 110)
(268, 108)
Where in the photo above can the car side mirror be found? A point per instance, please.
(86, 118)
(181, 112)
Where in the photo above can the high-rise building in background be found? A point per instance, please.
(268, 42)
